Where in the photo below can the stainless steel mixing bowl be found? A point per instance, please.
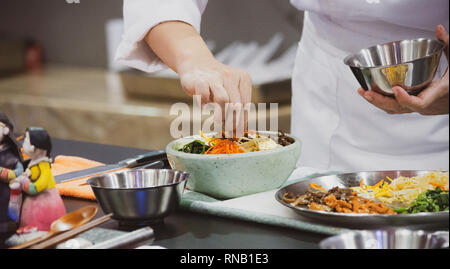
(139, 197)
(387, 239)
(410, 64)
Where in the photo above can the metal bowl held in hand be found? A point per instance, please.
(140, 196)
(410, 64)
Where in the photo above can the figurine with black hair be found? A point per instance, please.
(10, 168)
(42, 204)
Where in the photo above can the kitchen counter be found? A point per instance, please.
(187, 230)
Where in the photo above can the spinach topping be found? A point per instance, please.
(195, 147)
(430, 201)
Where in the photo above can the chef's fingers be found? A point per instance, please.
(388, 104)
(442, 35)
(218, 94)
(231, 85)
(410, 101)
(196, 86)
(234, 123)
(245, 88)
(234, 111)
(431, 101)
(220, 97)
(218, 118)
(202, 89)
(361, 92)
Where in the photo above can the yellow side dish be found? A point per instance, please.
(402, 191)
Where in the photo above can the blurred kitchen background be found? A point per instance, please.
(57, 69)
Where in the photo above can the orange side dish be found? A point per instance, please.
(355, 205)
(340, 200)
(316, 206)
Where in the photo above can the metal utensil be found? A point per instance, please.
(153, 165)
(69, 234)
(389, 239)
(410, 64)
(65, 223)
(363, 221)
(136, 161)
(141, 196)
(128, 240)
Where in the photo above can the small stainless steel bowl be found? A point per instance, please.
(139, 197)
(410, 64)
(387, 239)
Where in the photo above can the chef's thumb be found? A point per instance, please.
(442, 35)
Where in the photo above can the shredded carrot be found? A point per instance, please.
(438, 185)
(317, 187)
(223, 146)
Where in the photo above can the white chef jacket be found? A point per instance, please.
(339, 130)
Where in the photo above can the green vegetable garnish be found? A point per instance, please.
(195, 147)
(430, 201)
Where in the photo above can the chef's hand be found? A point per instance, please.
(180, 47)
(431, 101)
(215, 82)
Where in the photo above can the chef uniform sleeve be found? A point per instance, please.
(140, 16)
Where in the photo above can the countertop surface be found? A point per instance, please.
(187, 230)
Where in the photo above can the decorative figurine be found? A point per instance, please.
(10, 168)
(24, 234)
(42, 204)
